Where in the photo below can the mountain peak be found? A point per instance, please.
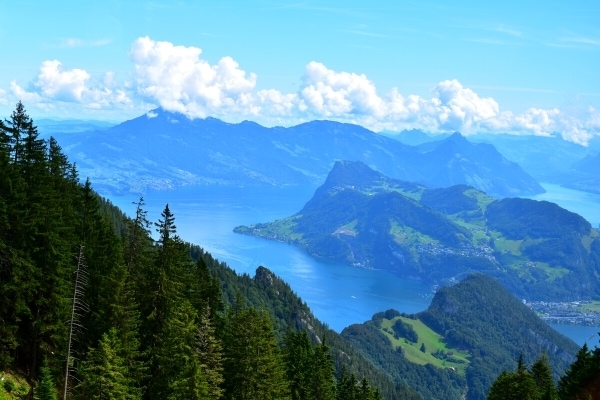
(351, 173)
(456, 137)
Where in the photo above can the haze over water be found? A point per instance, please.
(338, 295)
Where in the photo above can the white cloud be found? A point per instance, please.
(56, 84)
(273, 102)
(77, 42)
(59, 84)
(329, 93)
(24, 95)
(178, 79)
(459, 108)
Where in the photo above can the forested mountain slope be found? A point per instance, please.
(363, 218)
(470, 333)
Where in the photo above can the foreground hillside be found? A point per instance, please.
(363, 218)
(470, 333)
(161, 150)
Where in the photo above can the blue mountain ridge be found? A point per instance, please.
(165, 150)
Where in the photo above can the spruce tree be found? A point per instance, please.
(542, 375)
(104, 374)
(179, 374)
(124, 317)
(582, 379)
(210, 354)
(45, 388)
(253, 363)
(346, 388)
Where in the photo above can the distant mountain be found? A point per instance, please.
(361, 217)
(470, 333)
(415, 137)
(48, 127)
(583, 175)
(162, 150)
(542, 157)
(459, 161)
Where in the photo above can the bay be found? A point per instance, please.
(583, 203)
(579, 334)
(338, 295)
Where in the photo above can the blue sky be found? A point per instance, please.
(525, 67)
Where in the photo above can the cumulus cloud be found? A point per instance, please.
(329, 93)
(178, 79)
(55, 83)
(63, 85)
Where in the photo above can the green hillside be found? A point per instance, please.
(471, 332)
(430, 347)
(538, 250)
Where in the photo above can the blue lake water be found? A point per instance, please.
(337, 294)
(585, 204)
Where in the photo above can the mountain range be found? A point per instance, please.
(363, 218)
(164, 150)
(548, 159)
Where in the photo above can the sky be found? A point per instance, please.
(520, 67)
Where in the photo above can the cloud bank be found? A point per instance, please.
(178, 79)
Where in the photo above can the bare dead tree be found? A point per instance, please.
(77, 309)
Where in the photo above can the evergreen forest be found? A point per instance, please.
(96, 305)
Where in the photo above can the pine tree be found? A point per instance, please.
(253, 363)
(104, 373)
(210, 355)
(309, 368)
(124, 317)
(45, 389)
(582, 379)
(180, 374)
(542, 375)
(518, 385)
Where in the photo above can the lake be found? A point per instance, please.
(338, 295)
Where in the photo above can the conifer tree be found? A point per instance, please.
(346, 388)
(45, 388)
(124, 317)
(309, 368)
(104, 373)
(582, 379)
(253, 363)
(542, 375)
(210, 355)
(323, 382)
(179, 373)
(298, 354)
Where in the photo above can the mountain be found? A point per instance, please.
(459, 161)
(470, 333)
(543, 157)
(162, 150)
(583, 175)
(414, 137)
(363, 218)
(47, 127)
